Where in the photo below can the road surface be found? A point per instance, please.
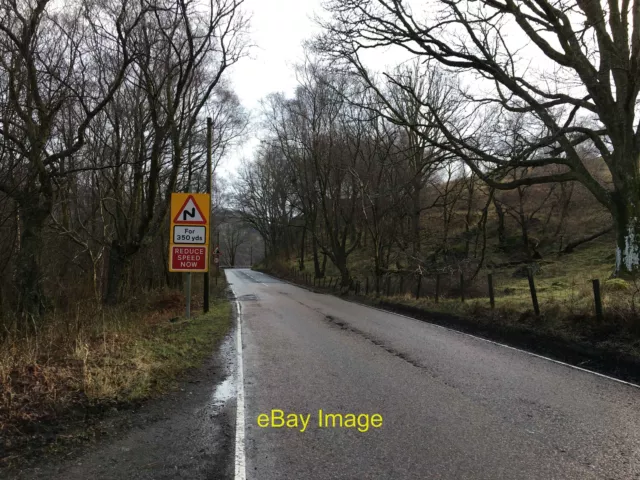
(452, 406)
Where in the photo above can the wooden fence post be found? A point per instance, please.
(534, 296)
(418, 287)
(491, 297)
(598, 299)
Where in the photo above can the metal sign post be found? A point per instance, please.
(205, 306)
(188, 309)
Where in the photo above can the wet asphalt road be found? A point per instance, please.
(453, 406)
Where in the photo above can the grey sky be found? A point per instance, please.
(278, 29)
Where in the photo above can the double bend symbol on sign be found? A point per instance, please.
(190, 213)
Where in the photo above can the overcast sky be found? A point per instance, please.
(278, 29)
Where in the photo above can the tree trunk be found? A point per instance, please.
(32, 298)
(316, 258)
(116, 274)
(324, 265)
(467, 219)
(94, 278)
(626, 216)
(415, 220)
(524, 224)
(565, 198)
(501, 226)
(572, 245)
(340, 261)
(377, 260)
(304, 239)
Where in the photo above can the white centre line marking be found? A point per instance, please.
(256, 280)
(240, 457)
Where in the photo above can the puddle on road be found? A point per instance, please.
(224, 392)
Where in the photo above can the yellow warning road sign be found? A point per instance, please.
(189, 235)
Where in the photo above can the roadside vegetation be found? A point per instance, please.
(105, 113)
(84, 364)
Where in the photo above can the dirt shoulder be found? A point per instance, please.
(187, 433)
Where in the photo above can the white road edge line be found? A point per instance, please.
(634, 385)
(575, 367)
(240, 454)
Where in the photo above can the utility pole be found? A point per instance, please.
(209, 174)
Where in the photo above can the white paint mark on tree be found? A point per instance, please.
(631, 255)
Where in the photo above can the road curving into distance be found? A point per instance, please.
(416, 401)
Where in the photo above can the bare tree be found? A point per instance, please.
(262, 197)
(59, 68)
(382, 181)
(322, 137)
(423, 158)
(234, 234)
(338, 150)
(586, 92)
(183, 52)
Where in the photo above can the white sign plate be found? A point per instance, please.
(189, 235)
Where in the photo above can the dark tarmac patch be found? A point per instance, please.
(378, 343)
(247, 298)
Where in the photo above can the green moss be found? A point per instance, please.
(616, 285)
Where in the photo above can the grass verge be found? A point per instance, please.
(64, 375)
